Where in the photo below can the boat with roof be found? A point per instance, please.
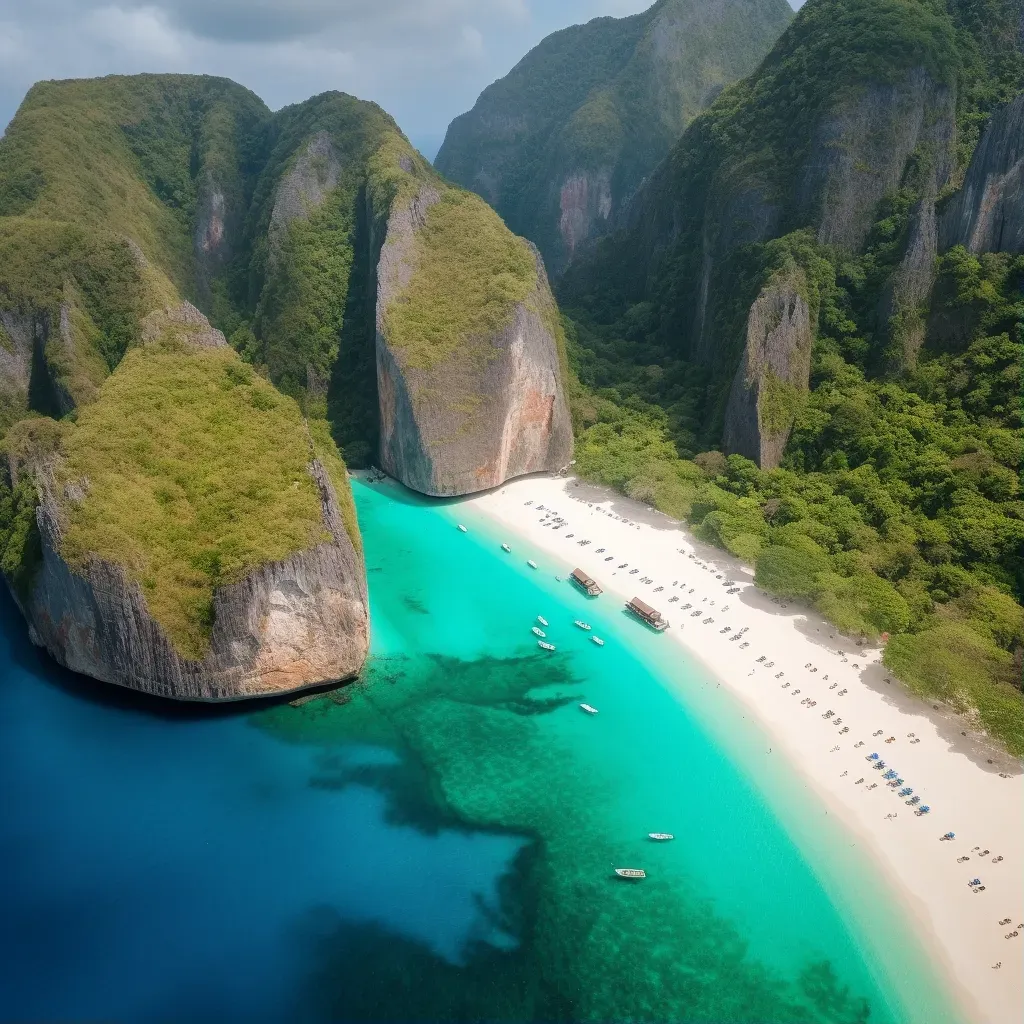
(585, 583)
(506, 549)
(660, 837)
(631, 872)
(646, 614)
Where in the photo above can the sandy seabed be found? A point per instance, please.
(972, 789)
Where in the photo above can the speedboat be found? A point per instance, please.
(590, 709)
(506, 549)
(537, 631)
(583, 625)
(531, 563)
(543, 621)
(545, 645)
(597, 640)
(631, 872)
(661, 837)
(462, 529)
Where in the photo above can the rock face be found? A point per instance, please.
(773, 373)
(184, 323)
(905, 296)
(560, 144)
(493, 410)
(860, 153)
(286, 626)
(18, 333)
(303, 189)
(987, 215)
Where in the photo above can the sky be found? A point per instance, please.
(424, 61)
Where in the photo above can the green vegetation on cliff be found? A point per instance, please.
(195, 472)
(470, 273)
(593, 108)
(127, 156)
(897, 507)
(293, 278)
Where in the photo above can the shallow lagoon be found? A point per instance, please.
(439, 845)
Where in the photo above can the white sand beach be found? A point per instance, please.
(971, 788)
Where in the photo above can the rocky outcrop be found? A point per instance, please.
(18, 334)
(211, 241)
(286, 626)
(902, 310)
(987, 214)
(585, 207)
(182, 323)
(773, 373)
(492, 410)
(861, 152)
(313, 174)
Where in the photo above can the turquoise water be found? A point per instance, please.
(436, 841)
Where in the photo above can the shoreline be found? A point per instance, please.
(972, 790)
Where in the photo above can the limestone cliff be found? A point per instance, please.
(489, 406)
(18, 334)
(860, 152)
(987, 214)
(288, 625)
(103, 593)
(773, 374)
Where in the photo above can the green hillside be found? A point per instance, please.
(590, 111)
(120, 197)
(897, 506)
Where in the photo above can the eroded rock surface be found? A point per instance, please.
(493, 410)
(288, 625)
(773, 373)
(305, 186)
(860, 153)
(987, 215)
(18, 333)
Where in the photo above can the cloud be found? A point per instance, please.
(145, 30)
(424, 61)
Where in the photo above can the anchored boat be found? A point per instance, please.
(597, 640)
(462, 529)
(660, 837)
(585, 583)
(531, 563)
(537, 631)
(545, 645)
(631, 872)
(646, 614)
(506, 549)
(583, 625)
(543, 621)
(590, 710)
